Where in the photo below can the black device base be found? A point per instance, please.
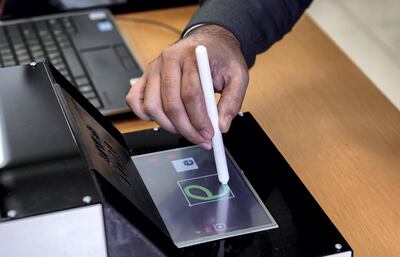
(67, 181)
(304, 228)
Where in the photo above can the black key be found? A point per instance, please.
(89, 94)
(41, 27)
(30, 36)
(39, 59)
(51, 49)
(27, 29)
(59, 66)
(25, 62)
(69, 25)
(32, 41)
(35, 48)
(47, 39)
(23, 59)
(4, 44)
(70, 29)
(20, 45)
(2, 35)
(81, 81)
(64, 72)
(58, 32)
(86, 88)
(49, 43)
(66, 21)
(43, 31)
(69, 78)
(38, 55)
(7, 57)
(54, 55)
(73, 62)
(5, 51)
(16, 40)
(57, 61)
(62, 39)
(95, 102)
(13, 31)
(9, 63)
(21, 52)
(53, 22)
(65, 44)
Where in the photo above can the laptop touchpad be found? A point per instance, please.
(104, 61)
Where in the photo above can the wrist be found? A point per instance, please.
(213, 31)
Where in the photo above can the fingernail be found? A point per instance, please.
(206, 134)
(206, 146)
(133, 81)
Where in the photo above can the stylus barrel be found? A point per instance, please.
(208, 92)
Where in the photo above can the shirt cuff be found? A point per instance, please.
(192, 28)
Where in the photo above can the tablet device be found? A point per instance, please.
(194, 205)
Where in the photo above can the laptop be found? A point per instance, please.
(85, 46)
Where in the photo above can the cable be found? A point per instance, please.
(153, 22)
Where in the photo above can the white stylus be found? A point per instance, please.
(211, 105)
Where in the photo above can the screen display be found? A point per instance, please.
(194, 205)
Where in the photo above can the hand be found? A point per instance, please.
(170, 93)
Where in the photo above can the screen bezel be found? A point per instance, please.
(16, 9)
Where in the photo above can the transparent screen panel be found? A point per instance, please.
(194, 205)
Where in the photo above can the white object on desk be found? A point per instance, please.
(208, 92)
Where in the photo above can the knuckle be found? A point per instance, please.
(149, 108)
(152, 65)
(171, 108)
(128, 101)
(190, 71)
(237, 100)
(168, 55)
(191, 136)
(128, 97)
(169, 81)
(190, 95)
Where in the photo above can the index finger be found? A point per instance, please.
(135, 98)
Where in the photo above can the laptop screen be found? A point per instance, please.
(10, 9)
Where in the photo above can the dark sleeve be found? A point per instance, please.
(257, 24)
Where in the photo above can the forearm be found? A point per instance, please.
(257, 24)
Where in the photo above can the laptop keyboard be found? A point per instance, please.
(23, 43)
